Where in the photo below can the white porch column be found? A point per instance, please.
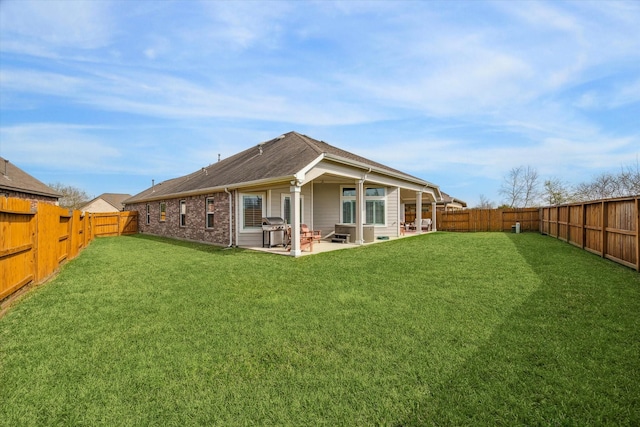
(433, 216)
(295, 219)
(361, 213)
(418, 221)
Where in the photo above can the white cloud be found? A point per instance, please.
(522, 80)
(59, 146)
(58, 24)
(242, 25)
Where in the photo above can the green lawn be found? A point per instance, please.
(438, 329)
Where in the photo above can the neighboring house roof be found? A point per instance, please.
(15, 179)
(280, 158)
(447, 199)
(114, 199)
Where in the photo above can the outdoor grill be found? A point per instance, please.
(274, 227)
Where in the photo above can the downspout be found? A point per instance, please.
(364, 178)
(226, 190)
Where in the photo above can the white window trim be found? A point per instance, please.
(366, 199)
(343, 199)
(160, 212)
(207, 212)
(378, 198)
(264, 211)
(180, 204)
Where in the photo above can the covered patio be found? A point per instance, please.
(327, 245)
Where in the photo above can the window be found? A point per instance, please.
(163, 211)
(348, 199)
(183, 213)
(148, 214)
(375, 205)
(209, 211)
(287, 208)
(252, 211)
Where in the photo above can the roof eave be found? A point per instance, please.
(366, 166)
(216, 189)
(29, 191)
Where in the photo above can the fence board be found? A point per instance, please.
(35, 242)
(608, 228)
(488, 219)
(114, 223)
(17, 255)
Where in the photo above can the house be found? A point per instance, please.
(449, 203)
(106, 202)
(14, 182)
(293, 177)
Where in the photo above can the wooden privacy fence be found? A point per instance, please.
(35, 242)
(608, 228)
(488, 219)
(115, 223)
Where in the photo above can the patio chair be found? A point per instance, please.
(306, 242)
(426, 224)
(316, 235)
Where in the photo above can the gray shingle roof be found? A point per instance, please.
(15, 179)
(280, 157)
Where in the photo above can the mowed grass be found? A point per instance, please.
(439, 329)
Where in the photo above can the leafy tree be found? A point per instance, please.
(72, 197)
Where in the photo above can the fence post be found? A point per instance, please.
(638, 234)
(604, 228)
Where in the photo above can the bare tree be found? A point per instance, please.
(520, 187)
(72, 197)
(556, 192)
(603, 186)
(485, 203)
(531, 187)
(511, 187)
(630, 180)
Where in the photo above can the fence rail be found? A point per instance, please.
(488, 219)
(608, 228)
(35, 242)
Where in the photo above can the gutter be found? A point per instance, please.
(370, 168)
(217, 189)
(230, 216)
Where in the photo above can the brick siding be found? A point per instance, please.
(195, 227)
(33, 198)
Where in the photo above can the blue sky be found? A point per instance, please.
(108, 95)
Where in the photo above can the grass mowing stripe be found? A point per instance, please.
(437, 329)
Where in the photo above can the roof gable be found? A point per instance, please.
(15, 179)
(114, 199)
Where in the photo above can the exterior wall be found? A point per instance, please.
(321, 211)
(393, 213)
(99, 206)
(273, 200)
(33, 198)
(326, 207)
(195, 227)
